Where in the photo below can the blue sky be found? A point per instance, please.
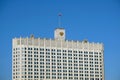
(95, 20)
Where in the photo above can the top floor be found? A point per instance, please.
(59, 41)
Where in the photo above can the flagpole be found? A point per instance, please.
(59, 19)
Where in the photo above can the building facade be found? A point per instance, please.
(56, 59)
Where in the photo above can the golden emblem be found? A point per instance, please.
(61, 33)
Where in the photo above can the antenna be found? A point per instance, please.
(59, 19)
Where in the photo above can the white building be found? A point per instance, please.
(57, 59)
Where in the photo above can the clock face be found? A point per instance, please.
(61, 33)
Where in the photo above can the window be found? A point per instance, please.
(41, 66)
(58, 50)
(90, 52)
(29, 48)
(47, 77)
(47, 73)
(95, 52)
(69, 54)
(47, 49)
(47, 66)
(64, 77)
(53, 49)
(64, 50)
(64, 71)
(75, 74)
(41, 49)
(85, 52)
(69, 51)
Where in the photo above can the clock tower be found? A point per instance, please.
(59, 34)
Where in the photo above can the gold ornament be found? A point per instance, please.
(61, 33)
